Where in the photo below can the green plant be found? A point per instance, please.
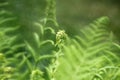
(30, 48)
(93, 55)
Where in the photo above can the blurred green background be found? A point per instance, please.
(75, 14)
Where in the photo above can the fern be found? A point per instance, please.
(30, 48)
(26, 48)
(90, 56)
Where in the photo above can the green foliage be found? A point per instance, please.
(92, 55)
(30, 48)
(27, 50)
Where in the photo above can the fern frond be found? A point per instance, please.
(89, 53)
(26, 39)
